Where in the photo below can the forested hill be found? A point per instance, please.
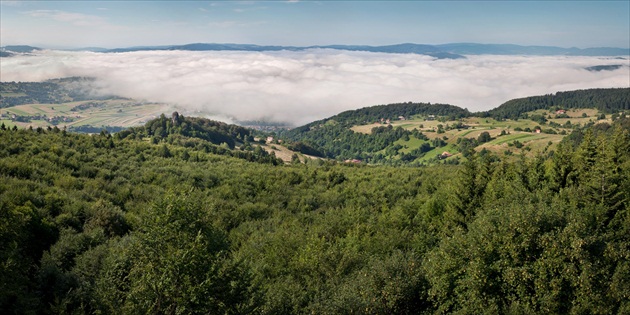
(605, 100)
(98, 224)
(193, 127)
(372, 114)
(392, 111)
(333, 138)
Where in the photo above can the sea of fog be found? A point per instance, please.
(299, 87)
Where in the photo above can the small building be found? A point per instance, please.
(537, 130)
(401, 118)
(431, 117)
(561, 111)
(444, 155)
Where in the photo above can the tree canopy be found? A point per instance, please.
(120, 224)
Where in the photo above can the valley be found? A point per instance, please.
(314, 157)
(100, 114)
(503, 133)
(406, 133)
(195, 214)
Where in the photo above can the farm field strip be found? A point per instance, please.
(513, 137)
(118, 112)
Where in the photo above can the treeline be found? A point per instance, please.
(94, 129)
(373, 114)
(335, 141)
(111, 224)
(212, 131)
(605, 100)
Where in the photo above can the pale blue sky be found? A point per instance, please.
(110, 24)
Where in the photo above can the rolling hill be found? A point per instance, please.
(398, 134)
(605, 100)
(109, 224)
(416, 133)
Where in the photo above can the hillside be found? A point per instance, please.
(421, 134)
(212, 131)
(604, 100)
(119, 224)
(71, 103)
(333, 137)
(395, 134)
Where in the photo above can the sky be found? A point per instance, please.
(115, 24)
(303, 86)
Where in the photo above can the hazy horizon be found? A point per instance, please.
(114, 24)
(304, 86)
(300, 87)
(78, 48)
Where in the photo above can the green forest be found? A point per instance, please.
(334, 137)
(172, 218)
(605, 100)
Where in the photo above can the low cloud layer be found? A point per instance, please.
(299, 87)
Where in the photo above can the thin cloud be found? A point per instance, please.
(76, 19)
(11, 3)
(228, 24)
(243, 10)
(299, 87)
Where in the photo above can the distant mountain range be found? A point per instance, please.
(429, 50)
(445, 51)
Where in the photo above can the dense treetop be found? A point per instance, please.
(120, 224)
(391, 111)
(192, 127)
(332, 137)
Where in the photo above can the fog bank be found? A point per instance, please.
(299, 87)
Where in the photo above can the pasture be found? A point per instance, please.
(97, 113)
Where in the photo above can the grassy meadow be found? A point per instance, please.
(504, 133)
(115, 112)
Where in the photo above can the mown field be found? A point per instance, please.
(120, 224)
(97, 113)
(504, 133)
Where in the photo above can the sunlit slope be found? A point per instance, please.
(410, 133)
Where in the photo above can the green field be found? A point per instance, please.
(13, 94)
(518, 136)
(116, 112)
(474, 126)
(410, 145)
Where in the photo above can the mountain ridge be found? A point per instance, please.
(442, 51)
(439, 51)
